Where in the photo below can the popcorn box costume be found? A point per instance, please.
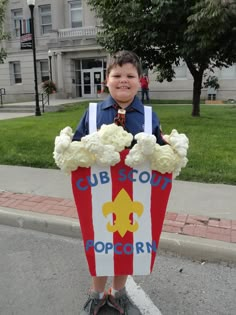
(122, 197)
(121, 212)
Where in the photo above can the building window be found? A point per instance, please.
(228, 73)
(180, 70)
(17, 16)
(44, 71)
(89, 68)
(45, 19)
(15, 72)
(76, 14)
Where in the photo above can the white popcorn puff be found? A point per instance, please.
(92, 142)
(76, 155)
(142, 150)
(181, 163)
(135, 157)
(69, 155)
(163, 159)
(115, 136)
(63, 141)
(108, 157)
(105, 155)
(178, 141)
(103, 147)
(146, 142)
(67, 131)
(81, 155)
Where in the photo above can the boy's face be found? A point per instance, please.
(123, 83)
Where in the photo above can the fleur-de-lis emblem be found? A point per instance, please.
(122, 207)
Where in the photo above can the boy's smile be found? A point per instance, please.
(123, 83)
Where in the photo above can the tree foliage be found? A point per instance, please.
(164, 32)
(3, 35)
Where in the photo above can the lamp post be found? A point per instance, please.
(50, 63)
(31, 4)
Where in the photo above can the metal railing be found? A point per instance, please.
(85, 32)
(44, 100)
(2, 92)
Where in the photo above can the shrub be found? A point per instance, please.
(105, 88)
(49, 87)
(212, 82)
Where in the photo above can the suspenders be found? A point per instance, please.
(93, 118)
(148, 120)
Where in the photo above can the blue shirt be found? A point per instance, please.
(134, 120)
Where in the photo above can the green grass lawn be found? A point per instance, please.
(29, 141)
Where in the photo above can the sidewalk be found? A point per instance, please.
(24, 109)
(52, 102)
(200, 221)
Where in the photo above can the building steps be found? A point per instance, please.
(21, 108)
(17, 108)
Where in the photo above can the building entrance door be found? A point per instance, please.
(92, 82)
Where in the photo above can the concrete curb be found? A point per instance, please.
(198, 248)
(188, 246)
(40, 222)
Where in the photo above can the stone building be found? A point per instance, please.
(67, 52)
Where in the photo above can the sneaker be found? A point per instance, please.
(93, 304)
(122, 303)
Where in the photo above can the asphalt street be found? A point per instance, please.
(42, 273)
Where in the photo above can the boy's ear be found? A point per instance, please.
(107, 78)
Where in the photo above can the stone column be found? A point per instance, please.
(60, 81)
(54, 67)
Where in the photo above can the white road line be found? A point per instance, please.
(140, 298)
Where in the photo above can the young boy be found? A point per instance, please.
(123, 81)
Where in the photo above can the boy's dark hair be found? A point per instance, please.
(122, 57)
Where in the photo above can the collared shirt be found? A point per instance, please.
(134, 121)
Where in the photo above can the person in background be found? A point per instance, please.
(144, 81)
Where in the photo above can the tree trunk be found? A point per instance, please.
(197, 86)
